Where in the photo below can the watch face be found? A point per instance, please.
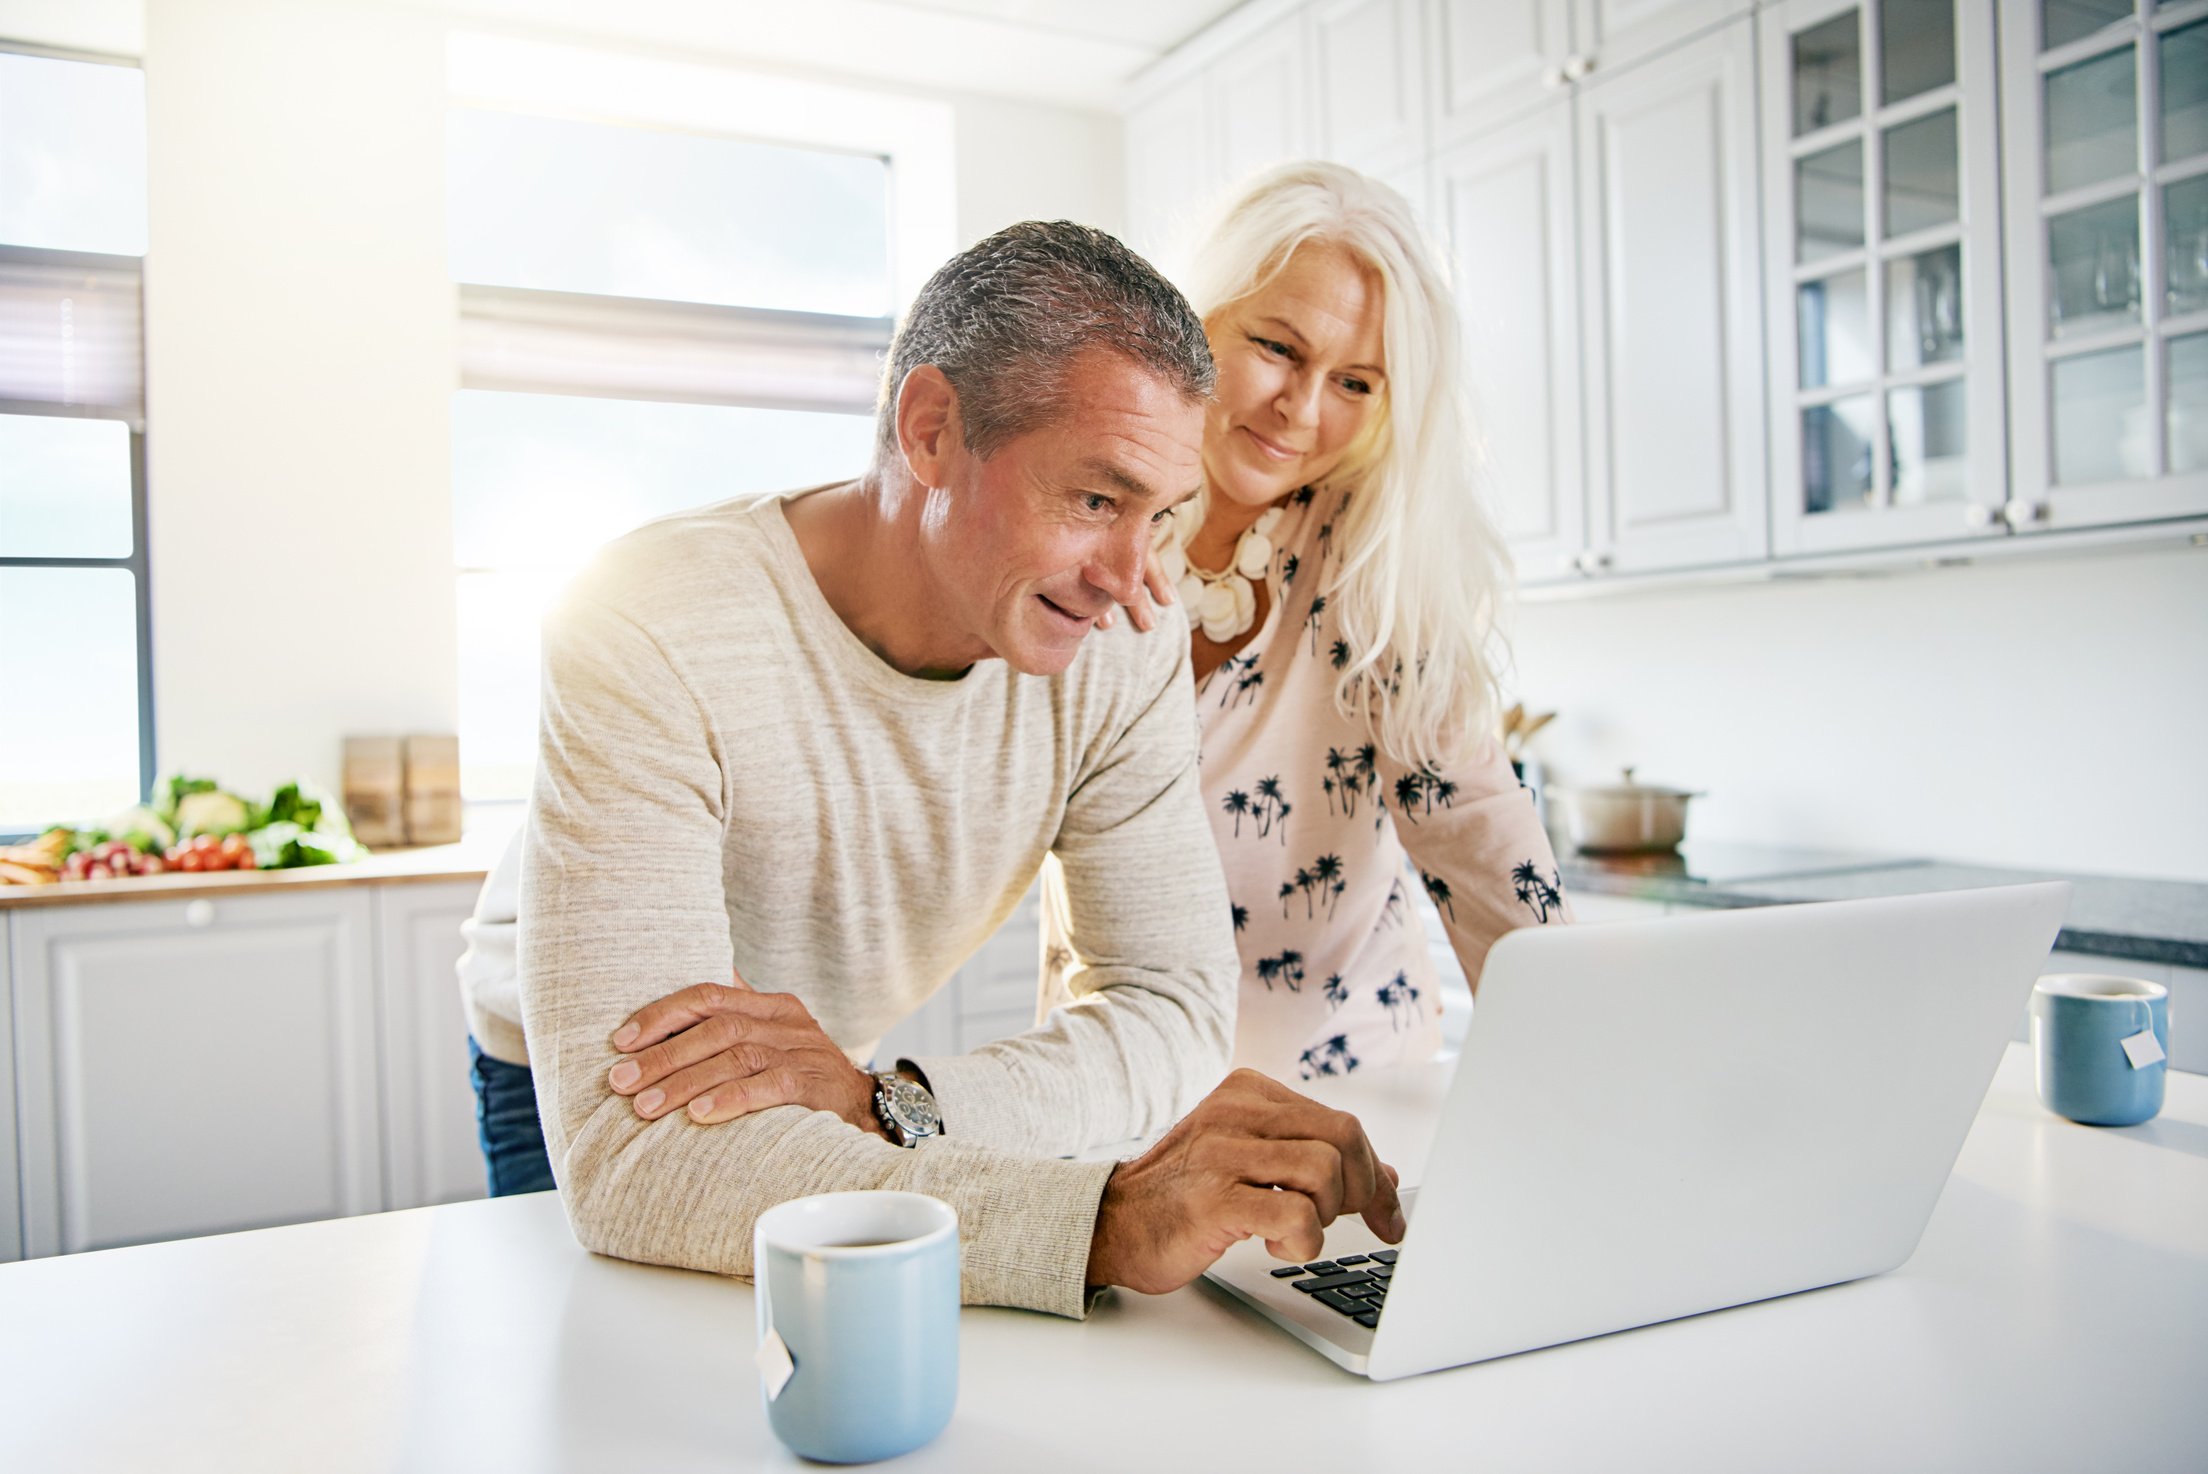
(913, 1108)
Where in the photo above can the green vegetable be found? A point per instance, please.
(175, 790)
(288, 846)
(211, 811)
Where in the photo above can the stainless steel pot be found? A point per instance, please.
(1624, 816)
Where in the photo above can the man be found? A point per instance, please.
(817, 746)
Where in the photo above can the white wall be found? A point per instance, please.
(2047, 713)
(299, 328)
(299, 350)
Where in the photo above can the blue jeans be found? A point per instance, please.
(506, 1124)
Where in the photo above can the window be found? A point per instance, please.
(651, 319)
(75, 675)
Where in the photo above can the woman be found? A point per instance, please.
(1341, 580)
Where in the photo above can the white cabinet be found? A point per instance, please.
(1171, 173)
(1495, 59)
(1368, 70)
(11, 1216)
(1610, 34)
(194, 1066)
(1505, 204)
(430, 1149)
(1605, 256)
(1671, 329)
(2106, 184)
(1259, 96)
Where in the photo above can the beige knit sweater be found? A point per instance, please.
(728, 778)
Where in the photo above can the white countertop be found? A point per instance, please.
(2055, 1317)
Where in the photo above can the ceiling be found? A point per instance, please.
(1069, 53)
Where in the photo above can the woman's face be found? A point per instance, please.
(1301, 372)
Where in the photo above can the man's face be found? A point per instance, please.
(1028, 547)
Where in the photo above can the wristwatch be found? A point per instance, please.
(905, 1108)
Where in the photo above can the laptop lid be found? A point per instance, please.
(1653, 1119)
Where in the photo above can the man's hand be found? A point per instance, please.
(726, 1052)
(1211, 1182)
(1155, 588)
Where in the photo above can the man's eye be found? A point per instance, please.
(1097, 502)
(1157, 518)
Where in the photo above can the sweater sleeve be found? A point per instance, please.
(622, 902)
(1474, 835)
(1152, 979)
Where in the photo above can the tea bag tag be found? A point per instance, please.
(775, 1364)
(2143, 1049)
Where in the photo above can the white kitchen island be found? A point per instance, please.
(2055, 1317)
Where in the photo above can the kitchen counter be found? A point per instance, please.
(471, 859)
(2136, 919)
(2050, 1319)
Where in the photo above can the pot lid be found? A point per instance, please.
(1627, 788)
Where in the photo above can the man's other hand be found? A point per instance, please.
(725, 1052)
(1254, 1159)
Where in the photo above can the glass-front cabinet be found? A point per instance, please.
(1882, 251)
(2107, 180)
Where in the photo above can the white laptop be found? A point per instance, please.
(1654, 1119)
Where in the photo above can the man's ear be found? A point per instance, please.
(928, 431)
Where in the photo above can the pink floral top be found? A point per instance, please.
(1323, 838)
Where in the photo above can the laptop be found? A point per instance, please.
(1655, 1119)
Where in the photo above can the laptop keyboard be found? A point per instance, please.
(1355, 1285)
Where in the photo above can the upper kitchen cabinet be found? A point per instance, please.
(1883, 253)
(11, 1218)
(1494, 60)
(1610, 34)
(2107, 196)
(1670, 328)
(1368, 78)
(1171, 172)
(1506, 205)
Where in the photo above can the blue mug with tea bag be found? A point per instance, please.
(857, 1296)
(2101, 1045)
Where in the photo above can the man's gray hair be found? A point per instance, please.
(1005, 318)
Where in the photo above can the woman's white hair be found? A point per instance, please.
(1421, 573)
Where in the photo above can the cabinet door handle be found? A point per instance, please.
(199, 913)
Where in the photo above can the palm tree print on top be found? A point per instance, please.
(1543, 898)
(1346, 777)
(1336, 992)
(1288, 967)
(1311, 620)
(1272, 808)
(1439, 890)
(1290, 566)
(1417, 793)
(1241, 916)
(1397, 904)
(1400, 999)
(1322, 877)
(1331, 1058)
(1238, 671)
(1337, 654)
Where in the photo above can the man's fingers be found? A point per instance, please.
(780, 1085)
(678, 1011)
(678, 1088)
(1312, 1168)
(700, 1042)
(1286, 1221)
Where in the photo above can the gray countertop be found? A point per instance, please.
(2110, 915)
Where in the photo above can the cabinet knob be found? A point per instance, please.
(1553, 78)
(2022, 514)
(199, 913)
(1978, 515)
(1577, 66)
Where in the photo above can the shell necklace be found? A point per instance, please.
(1223, 604)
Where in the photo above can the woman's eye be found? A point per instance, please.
(1357, 386)
(1279, 350)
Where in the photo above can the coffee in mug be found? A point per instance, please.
(2101, 1047)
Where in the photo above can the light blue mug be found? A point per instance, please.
(2079, 1024)
(858, 1322)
